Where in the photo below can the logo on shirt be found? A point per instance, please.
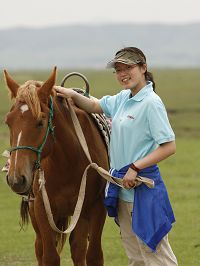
(130, 116)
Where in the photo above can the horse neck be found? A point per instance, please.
(66, 162)
(66, 145)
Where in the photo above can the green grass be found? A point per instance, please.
(181, 175)
(179, 89)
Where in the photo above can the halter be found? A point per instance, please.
(38, 150)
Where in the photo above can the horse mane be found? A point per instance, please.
(27, 93)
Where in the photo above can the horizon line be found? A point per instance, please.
(98, 24)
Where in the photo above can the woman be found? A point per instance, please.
(141, 137)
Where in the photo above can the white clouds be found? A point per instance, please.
(40, 13)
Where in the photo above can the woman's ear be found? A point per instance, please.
(144, 68)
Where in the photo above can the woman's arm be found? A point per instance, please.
(161, 153)
(90, 105)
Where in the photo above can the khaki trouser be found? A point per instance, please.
(138, 253)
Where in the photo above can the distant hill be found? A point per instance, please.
(83, 46)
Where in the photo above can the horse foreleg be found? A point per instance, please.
(46, 240)
(78, 242)
(38, 241)
(94, 255)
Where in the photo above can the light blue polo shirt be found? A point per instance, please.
(139, 125)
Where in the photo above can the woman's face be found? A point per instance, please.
(131, 76)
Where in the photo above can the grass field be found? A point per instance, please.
(180, 91)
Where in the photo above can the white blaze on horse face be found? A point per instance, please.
(24, 108)
(18, 141)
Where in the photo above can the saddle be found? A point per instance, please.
(103, 123)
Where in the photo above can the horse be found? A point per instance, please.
(63, 161)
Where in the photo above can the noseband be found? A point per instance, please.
(38, 150)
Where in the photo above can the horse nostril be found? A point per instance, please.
(23, 180)
(7, 179)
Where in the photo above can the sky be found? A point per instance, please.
(44, 13)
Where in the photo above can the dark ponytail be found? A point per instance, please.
(149, 77)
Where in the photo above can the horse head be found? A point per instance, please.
(28, 121)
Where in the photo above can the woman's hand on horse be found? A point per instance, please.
(64, 92)
(90, 105)
(129, 180)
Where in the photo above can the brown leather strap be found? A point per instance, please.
(135, 168)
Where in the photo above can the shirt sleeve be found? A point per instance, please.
(159, 124)
(109, 104)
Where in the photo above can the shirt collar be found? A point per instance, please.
(143, 92)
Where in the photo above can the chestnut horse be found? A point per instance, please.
(63, 162)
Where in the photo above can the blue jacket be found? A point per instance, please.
(153, 214)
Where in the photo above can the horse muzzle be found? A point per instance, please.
(19, 184)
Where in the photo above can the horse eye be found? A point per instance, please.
(40, 123)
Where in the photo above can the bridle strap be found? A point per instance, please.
(39, 150)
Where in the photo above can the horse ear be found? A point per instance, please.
(12, 85)
(46, 89)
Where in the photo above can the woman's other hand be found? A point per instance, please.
(129, 180)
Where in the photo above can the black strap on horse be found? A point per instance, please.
(87, 89)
